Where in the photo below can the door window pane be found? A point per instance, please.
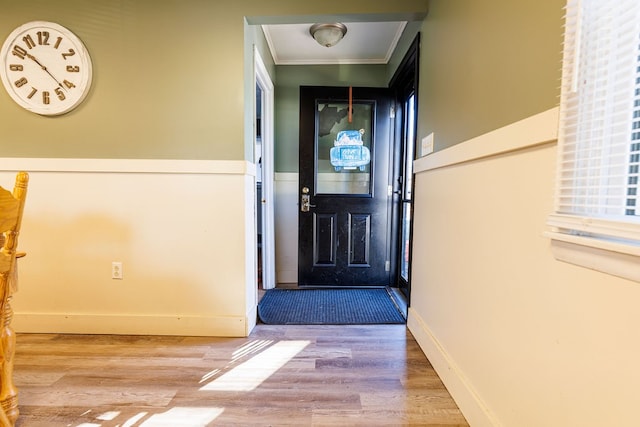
(344, 149)
(409, 142)
(406, 241)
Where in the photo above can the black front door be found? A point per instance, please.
(344, 230)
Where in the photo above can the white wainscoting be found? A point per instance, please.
(435, 274)
(518, 337)
(184, 231)
(286, 213)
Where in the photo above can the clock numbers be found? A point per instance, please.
(21, 82)
(43, 38)
(71, 52)
(19, 51)
(22, 53)
(29, 41)
(45, 68)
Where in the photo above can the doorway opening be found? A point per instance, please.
(264, 159)
(258, 157)
(404, 85)
(355, 191)
(344, 234)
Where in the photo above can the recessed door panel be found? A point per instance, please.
(324, 240)
(359, 239)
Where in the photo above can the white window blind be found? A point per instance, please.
(599, 135)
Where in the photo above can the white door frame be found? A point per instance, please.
(263, 80)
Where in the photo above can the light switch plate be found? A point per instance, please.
(427, 145)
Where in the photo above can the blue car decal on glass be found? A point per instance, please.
(349, 151)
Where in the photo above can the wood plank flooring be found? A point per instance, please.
(279, 375)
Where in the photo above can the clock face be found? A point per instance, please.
(45, 68)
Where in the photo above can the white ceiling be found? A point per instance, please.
(364, 43)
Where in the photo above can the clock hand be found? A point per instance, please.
(45, 69)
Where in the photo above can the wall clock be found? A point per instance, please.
(45, 68)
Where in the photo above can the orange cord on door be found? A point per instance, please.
(350, 104)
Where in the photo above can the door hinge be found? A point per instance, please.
(389, 190)
(392, 113)
(387, 265)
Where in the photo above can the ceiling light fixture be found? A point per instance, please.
(328, 34)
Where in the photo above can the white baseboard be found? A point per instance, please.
(472, 407)
(251, 319)
(131, 325)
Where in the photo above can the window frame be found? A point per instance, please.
(610, 244)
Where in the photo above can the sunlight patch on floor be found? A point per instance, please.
(108, 416)
(133, 420)
(183, 417)
(178, 416)
(250, 347)
(250, 374)
(242, 352)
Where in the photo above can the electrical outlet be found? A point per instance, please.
(116, 270)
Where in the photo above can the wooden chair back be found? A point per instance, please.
(11, 210)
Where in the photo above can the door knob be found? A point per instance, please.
(305, 200)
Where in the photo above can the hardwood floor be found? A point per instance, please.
(279, 375)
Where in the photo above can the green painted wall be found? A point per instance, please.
(487, 63)
(157, 89)
(169, 76)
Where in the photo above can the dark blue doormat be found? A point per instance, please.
(328, 307)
